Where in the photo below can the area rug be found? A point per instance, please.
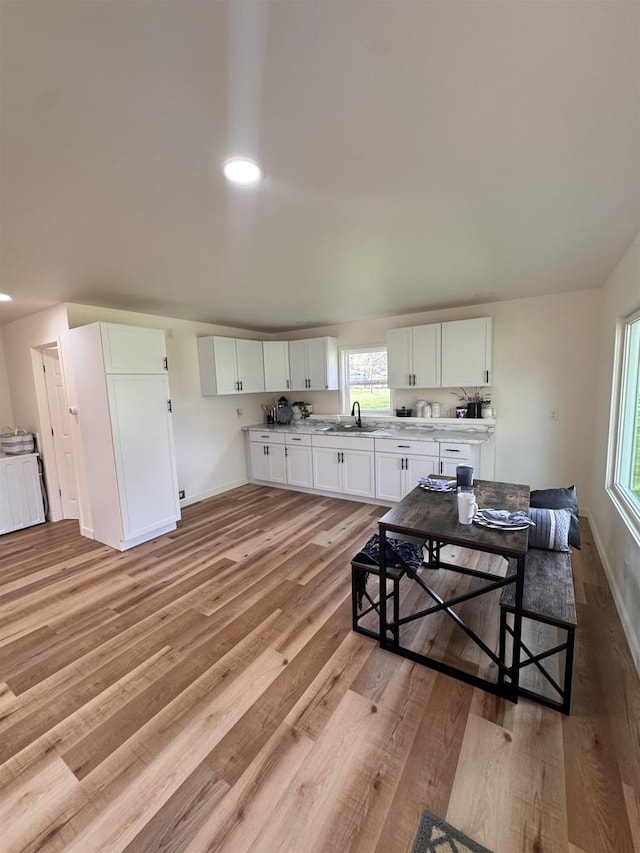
(437, 836)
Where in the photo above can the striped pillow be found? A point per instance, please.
(552, 529)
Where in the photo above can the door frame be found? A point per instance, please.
(46, 446)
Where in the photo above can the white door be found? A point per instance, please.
(358, 475)
(416, 467)
(399, 358)
(466, 353)
(298, 365)
(249, 365)
(317, 363)
(299, 466)
(130, 349)
(327, 469)
(143, 447)
(259, 461)
(426, 356)
(276, 365)
(224, 360)
(389, 476)
(60, 424)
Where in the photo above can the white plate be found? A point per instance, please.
(451, 488)
(496, 525)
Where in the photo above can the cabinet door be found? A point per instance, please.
(259, 461)
(130, 349)
(143, 448)
(317, 364)
(224, 363)
(299, 466)
(466, 353)
(426, 356)
(249, 365)
(327, 469)
(416, 467)
(298, 365)
(389, 476)
(276, 365)
(277, 463)
(358, 473)
(399, 358)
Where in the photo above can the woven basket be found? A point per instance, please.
(23, 442)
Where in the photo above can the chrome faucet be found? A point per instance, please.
(353, 414)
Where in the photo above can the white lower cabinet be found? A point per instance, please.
(344, 466)
(268, 460)
(382, 468)
(20, 495)
(299, 460)
(399, 465)
(453, 454)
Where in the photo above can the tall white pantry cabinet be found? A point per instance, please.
(124, 411)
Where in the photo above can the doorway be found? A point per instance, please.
(56, 422)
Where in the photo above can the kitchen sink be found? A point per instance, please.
(352, 428)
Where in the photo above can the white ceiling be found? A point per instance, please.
(417, 154)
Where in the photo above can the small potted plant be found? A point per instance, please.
(301, 410)
(473, 400)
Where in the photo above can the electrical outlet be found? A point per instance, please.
(554, 415)
(239, 413)
(181, 495)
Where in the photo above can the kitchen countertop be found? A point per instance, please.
(449, 429)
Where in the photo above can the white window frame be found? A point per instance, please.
(345, 398)
(623, 421)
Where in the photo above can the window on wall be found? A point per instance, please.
(365, 380)
(626, 462)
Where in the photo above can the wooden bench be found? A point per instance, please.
(548, 597)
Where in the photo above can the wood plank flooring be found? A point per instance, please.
(204, 692)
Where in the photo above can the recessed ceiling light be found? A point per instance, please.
(240, 170)
(4, 297)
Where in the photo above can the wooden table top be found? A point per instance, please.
(434, 515)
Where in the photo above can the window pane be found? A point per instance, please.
(628, 441)
(367, 380)
(635, 479)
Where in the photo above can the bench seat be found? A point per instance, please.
(548, 597)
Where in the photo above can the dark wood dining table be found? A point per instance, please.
(432, 518)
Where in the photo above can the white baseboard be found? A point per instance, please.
(627, 626)
(87, 531)
(211, 493)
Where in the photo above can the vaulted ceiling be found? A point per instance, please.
(417, 154)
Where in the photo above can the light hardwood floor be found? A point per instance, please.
(204, 692)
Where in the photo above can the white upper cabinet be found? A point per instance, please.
(129, 349)
(313, 364)
(276, 365)
(414, 356)
(230, 365)
(441, 355)
(466, 353)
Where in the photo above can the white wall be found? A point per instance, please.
(545, 356)
(209, 443)
(6, 410)
(619, 549)
(20, 338)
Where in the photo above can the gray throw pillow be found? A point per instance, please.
(551, 531)
(560, 499)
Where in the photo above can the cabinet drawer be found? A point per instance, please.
(407, 448)
(267, 437)
(451, 450)
(340, 442)
(298, 440)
